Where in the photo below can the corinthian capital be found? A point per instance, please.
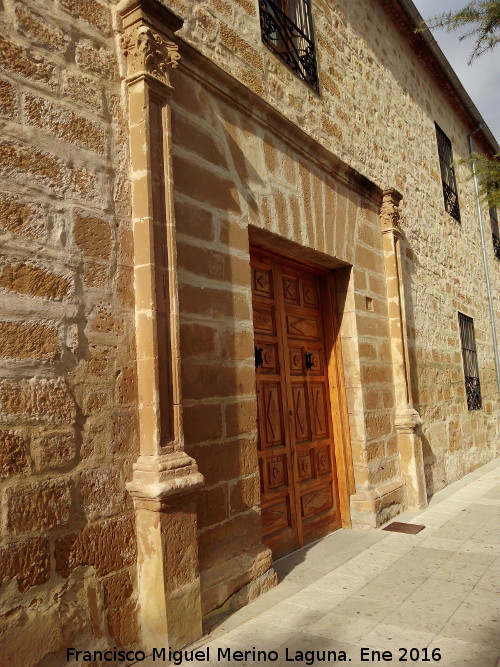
(148, 51)
(389, 210)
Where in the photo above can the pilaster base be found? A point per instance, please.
(233, 584)
(164, 490)
(374, 507)
(411, 457)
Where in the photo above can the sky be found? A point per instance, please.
(481, 79)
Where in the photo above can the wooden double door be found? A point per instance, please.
(299, 499)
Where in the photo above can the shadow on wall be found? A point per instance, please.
(212, 201)
(410, 265)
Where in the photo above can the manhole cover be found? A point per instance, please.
(409, 528)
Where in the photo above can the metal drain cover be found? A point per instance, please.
(409, 528)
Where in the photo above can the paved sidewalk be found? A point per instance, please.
(384, 592)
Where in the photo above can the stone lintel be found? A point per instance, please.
(149, 11)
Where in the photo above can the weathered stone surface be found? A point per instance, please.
(90, 11)
(83, 90)
(16, 59)
(224, 461)
(108, 546)
(241, 418)
(35, 281)
(117, 589)
(92, 236)
(244, 495)
(212, 506)
(63, 457)
(43, 167)
(20, 218)
(125, 433)
(126, 385)
(13, 458)
(54, 450)
(39, 400)
(8, 102)
(103, 320)
(64, 124)
(40, 31)
(94, 60)
(229, 539)
(102, 492)
(202, 422)
(20, 340)
(122, 624)
(38, 508)
(28, 562)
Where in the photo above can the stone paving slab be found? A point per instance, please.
(357, 594)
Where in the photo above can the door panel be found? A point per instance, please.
(298, 485)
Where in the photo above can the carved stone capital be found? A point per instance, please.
(389, 210)
(148, 30)
(407, 420)
(148, 52)
(156, 480)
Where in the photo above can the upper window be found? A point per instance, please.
(447, 174)
(287, 30)
(469, 357)
(494, 231)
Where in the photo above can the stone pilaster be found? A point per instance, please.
(165, 479)
(407, 418)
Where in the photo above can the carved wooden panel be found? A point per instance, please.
(296, 357)
(317, 501)
(262, 283)
(302, 327)
(316, 361)
(299, 409)
(310, 296)
(323, 461)
(291, 290)
(269, 359)
(272, 414)
(263, 320)
(276, 472)
(318, 411)
(275, 518)
(305, 465)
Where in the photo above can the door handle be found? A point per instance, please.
(259, 359)
(309, 361)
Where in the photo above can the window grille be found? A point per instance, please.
(469, 357)
(494, 231)
(447, 174)
(286, 27)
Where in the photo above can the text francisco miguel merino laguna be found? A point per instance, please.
(205, 654)
(231, 656)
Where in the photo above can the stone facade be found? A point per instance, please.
(145, 147)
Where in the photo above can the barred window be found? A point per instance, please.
(494, 231)
(447, 174)
(286, 27)
(469, 357)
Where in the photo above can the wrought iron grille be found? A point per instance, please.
(494, 231)
(469, 357)
(286, 27)
(447, 174)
